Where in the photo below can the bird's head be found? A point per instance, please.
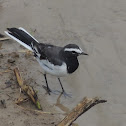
(73, 50)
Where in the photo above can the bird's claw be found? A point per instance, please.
(56, 92)
(66, 94)
(49, 91)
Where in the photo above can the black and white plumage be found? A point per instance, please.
(55, 60)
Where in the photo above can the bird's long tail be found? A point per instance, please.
(22, 37)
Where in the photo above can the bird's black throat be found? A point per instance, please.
(72, 64)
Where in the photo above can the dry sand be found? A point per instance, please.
(99, 27)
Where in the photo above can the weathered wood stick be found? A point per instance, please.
(28, 89)
(3, 39)
(81, 108)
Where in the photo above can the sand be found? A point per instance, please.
(99, 27)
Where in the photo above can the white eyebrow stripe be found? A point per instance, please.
(73, 49)
(81, 49)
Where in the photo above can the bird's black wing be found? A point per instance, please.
(49, 52)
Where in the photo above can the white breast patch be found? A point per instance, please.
(53, 69)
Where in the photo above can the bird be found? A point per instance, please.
(54, 60)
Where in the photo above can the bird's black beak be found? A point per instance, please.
(84, 53)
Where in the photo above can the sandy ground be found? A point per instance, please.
(99, 27)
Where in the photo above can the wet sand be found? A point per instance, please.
(99, 27)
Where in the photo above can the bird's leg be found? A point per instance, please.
(63, 91)
(46, 87)
(61, 85)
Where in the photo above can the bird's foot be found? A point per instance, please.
(56, 92)
(66, 94)
(49, 91)
(63, 93)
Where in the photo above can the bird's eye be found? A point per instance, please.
(73, 52)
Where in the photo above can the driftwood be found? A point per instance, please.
(27, 89)
(3, 39)
(81, 108)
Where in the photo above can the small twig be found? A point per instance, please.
(37, 111)
(3, 39)
(28, 89)
(21, 100)
(6, 71)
